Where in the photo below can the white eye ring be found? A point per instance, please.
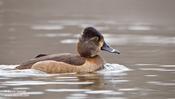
(94, 38)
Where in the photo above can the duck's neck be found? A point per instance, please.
(92, 64)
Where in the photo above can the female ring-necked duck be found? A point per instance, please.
(88, 60)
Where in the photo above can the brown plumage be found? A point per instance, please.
(65, 57)
(89, 45)
(50, 66)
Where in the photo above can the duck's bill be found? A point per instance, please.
(107, 48)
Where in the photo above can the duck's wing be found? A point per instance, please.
(67, 58)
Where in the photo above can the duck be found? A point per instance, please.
(88, 59)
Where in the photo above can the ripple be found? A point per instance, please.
(151, 75)
(69, 41)
(4, 78)
(113, 68)
(86, 91)
(22, 73)
(77, 96)
(136, 39)
(47, 27)
(67, 90)
(161, 83)
(82, 23)
(117, 97)
(139, 28)
(18, 93)
(119, 81)
(157, 69)
(8, 72)
(21, 83)
(106, 92)
(3, 86)
(51, 35)
(7, 67)
(35, 93)
(167, 65)
(21, 88)
(129, 89)
(145, 64)
(67, 79)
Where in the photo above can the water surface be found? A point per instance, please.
(142, 31)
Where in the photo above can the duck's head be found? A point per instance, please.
(91, 42)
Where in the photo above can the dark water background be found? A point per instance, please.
(143, 30)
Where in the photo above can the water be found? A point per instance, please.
(143, 31)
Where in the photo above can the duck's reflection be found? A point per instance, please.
(97, 79)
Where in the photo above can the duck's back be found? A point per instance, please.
(67, 58)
